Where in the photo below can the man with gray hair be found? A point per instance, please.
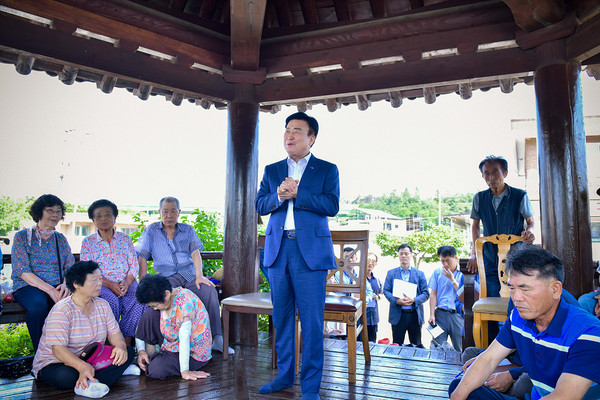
(175, 249)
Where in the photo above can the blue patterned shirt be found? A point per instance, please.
(170, 257)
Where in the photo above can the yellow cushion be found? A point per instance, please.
(255, 300)
(491, 305)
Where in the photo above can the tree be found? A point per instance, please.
(424, 243)
(12, 212)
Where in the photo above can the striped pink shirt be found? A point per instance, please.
(67, 326)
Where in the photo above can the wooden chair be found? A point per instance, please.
(491, 308)
(249, 303)
(346, 309)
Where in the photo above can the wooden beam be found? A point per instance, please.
(585, 42)
(409, 47)
(152, 33)
(68, 75)
(284, 14)
(309, 11)
(415, 4)
(560, 30)
(105, 59)
(465, 91)
(24, 64)
(383, 30)
(107, 84)
(429, 95)
(435, 71)
(341, 10)
(378, 8)
(208, 8)
(247, 19)
(535, 14)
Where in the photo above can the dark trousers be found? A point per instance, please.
(38, 305)
(481, 393)
(63, 377)
(372, 332)
(409, 321)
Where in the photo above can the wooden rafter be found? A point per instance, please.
(247, 19)
(309, 11)
(534, 14)
(104, 58)
(400, 75)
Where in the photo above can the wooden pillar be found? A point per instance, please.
(239, 248)
(564, 199)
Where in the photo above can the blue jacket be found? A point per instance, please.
(318, 198)
(417, 277)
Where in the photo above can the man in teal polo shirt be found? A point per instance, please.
(558, 343)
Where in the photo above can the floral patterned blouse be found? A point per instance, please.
(117, 259)
(38, 256)
(187, 304)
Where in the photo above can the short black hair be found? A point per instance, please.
(78, 273)
(313, 125)
(404, 246)
(152, 289)
(102, 203)
(525, 259)
(46, 200)
(494, 159)
(446, 251)
(348, 249)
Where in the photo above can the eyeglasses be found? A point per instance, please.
(53, 211)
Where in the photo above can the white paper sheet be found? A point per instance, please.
(402, 288)
(435, 331)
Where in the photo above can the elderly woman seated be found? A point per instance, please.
(115, 254)
(183, 332)
(75, 323)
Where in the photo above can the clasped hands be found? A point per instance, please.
(405, 301)
(288, 189)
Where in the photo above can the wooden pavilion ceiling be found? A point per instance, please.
(301, 52)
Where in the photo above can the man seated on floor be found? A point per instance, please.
(443, 285)
(558, 343)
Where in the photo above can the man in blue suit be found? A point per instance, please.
(406, 313)
(299, 192)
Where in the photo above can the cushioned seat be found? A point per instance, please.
(496, 305)
(253, 300)
(342, 303)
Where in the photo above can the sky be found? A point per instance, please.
(82, 145)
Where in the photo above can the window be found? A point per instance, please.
(595, 227)
(128, 231)
(82, 230)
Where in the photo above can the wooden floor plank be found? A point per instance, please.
(394, 372)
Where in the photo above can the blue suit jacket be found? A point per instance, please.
(318, 198)
(417, 277)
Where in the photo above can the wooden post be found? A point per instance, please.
(240, 273)
(564, 199)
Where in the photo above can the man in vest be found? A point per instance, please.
(502, 209)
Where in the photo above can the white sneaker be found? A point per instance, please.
(95, 390)
(132, 370)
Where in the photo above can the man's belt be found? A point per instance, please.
(290, 234)
(448, 311)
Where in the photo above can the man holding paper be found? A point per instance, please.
(406, 289)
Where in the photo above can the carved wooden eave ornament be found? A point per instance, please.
(296, 52)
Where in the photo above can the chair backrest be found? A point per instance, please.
(354, 265)
(504, 242)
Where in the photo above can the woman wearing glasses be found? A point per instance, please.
(40, 257)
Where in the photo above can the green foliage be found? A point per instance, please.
(15, 341)
(141, 218)
(71, 208)
(406, 204)
(12, 212)
(208, 228)
(424, 243)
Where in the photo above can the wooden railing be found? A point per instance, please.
(13, 312)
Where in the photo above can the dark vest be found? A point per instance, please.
(505, 220)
